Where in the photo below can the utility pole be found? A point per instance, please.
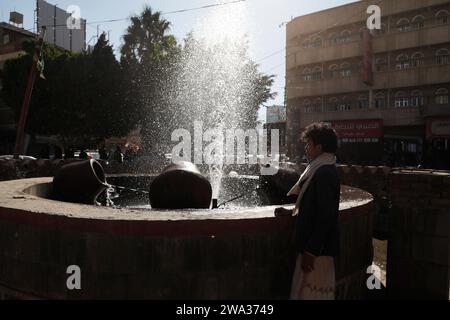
(54, 26)
(26, 100)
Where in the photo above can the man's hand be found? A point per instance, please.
(282, 212)
(308, 262)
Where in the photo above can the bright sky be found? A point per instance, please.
(261, 22)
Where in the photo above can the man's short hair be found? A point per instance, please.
(323, 134)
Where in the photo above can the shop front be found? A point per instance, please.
(437, 155)
(403, 146)
(360, 141)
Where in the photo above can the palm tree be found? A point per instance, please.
(146, 39)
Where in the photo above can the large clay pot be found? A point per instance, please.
(79, 182)
(179, 186)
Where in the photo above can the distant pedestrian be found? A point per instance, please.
(102, 153)
(58, 152)
(117, 155)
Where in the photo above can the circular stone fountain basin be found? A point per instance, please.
(231, 253)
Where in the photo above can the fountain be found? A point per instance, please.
(133, 250)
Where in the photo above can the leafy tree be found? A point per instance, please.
(81, 100)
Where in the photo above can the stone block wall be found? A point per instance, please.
(419, 246)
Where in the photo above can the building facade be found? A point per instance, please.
(385, 91)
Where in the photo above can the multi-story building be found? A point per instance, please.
(385, 91)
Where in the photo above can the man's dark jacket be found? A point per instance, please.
(317, 221)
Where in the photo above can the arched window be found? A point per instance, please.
(379, 101)
(317, 42)
(417, 59)
(345, 70)
(363, 101)
(403, 25)
(442, 56)
(333, 38)
(307, 105)
(441, 96)
(417, 98)
(317, 105)
(332, 104)
(402, 62)
(334, 70)
(307, 76)
(380, 64)
(442, 17)
(345, 104)
(401, 100)
(307, 44)
(346, 36)
(418, 22)
(317, 73)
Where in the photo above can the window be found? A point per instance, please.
(417, 99)
(317, 105)
(307, 44)
(403, 25)
(363, 102)
(379, 101)
(333, 38)
(6, 39)
(345, 71)
(442, 96)
(307, 106)
(345, 37)
(317, 42)
(307, 74)
(418, 22)
(442, 17)
(333, 104)
(401, 100)
(334, 72)
(344, 105)
(417, 59)
(380, 64)
(442, 56)
(402, 62)
(317, 73)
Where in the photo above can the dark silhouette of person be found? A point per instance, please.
(58, 152)
(102, 152)
(317, 210)
(117, 155)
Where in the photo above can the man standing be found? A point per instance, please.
(317, 207)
